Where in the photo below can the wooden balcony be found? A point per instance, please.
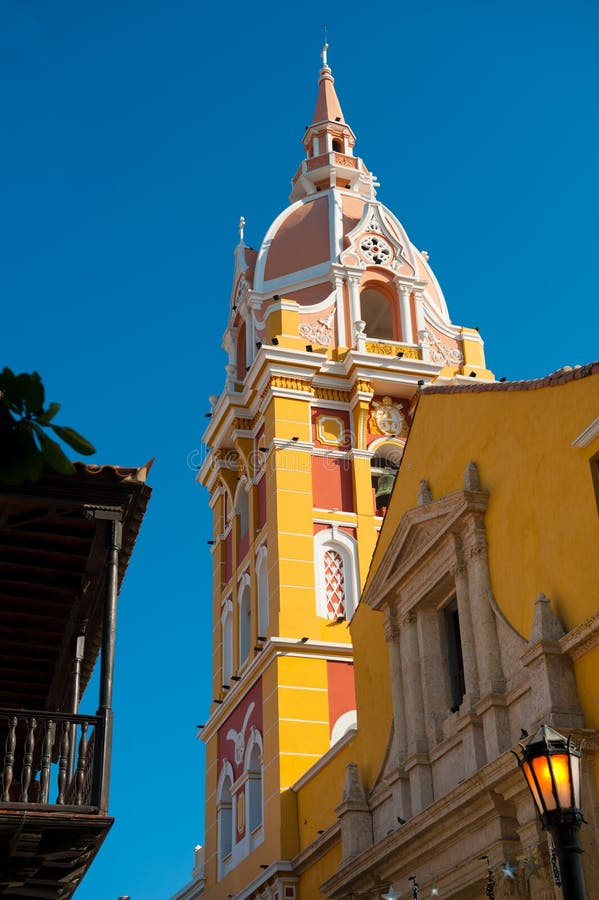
(64, 547)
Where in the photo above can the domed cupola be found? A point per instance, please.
(337, 272)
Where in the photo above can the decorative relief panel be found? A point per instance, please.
(440, 353)
(319, 332)
(391, 350)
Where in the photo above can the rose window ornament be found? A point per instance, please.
(376, 249)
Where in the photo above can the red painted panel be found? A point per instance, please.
(261, 494)
(243, 547)
(332, 483)
(234, 733)
(228, 556)
(342, 694)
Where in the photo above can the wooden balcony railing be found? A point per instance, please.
(54, 759)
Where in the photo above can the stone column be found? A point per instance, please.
(491, 707)
(340, 312)
(490, 670)
(417, 763)
(392, 634)
(407, 334)
(419, 309)
(435, 681)
(460, 577)
(355, 313)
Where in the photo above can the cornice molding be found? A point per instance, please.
(273, 648)
(582, 638)
(587, 435)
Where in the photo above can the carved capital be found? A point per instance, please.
(458, 569)
(392, 629)
(408, 619)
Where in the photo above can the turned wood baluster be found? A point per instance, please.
(82, 764)
(46, 759)
(27, 760)
(63, 760)
(9, 757)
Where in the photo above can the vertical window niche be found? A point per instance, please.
(254, 789)
(225, 820)
(245, 622)
(241, 356)
(262, 580)
(227, 640)
(242, 508)
(455, 660)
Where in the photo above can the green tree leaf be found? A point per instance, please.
(10, 391)
(32, 459)
(74, 440)
(53, 454)
(31, 390)
(46, 417)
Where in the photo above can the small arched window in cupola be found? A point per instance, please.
(337, 146)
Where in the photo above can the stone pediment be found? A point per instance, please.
(420, 528)
(373, 243)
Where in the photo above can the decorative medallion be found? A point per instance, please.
(387, 418)
(376, 249)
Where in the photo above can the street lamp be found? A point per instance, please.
(551, 765)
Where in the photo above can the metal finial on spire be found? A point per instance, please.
(241, 227)
(325, 47)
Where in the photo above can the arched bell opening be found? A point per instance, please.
(384, 466)
(376, 309)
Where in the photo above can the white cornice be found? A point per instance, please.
(281, 866)
(273, 648)
(297, 280)
(587, 435)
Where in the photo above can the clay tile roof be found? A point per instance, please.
(561, 376)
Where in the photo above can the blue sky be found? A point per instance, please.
(135, 135)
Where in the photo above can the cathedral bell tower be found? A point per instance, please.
(333, 324)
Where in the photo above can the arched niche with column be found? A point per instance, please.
(254, 787)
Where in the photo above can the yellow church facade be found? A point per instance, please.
(356, 699)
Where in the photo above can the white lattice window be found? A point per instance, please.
(336, 572)
(334, 584)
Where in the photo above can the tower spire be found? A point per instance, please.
(328, 108)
